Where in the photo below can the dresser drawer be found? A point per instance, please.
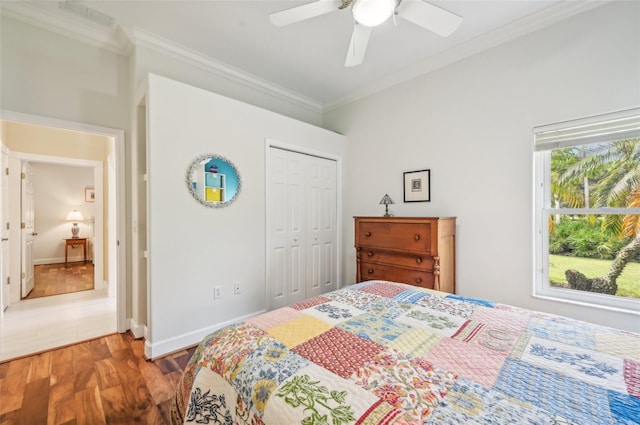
(407, 236)
(373, 271)
(422, 261)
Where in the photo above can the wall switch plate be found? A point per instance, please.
(217, 292)
(236, 289)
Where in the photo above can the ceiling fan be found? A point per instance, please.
(371, 13)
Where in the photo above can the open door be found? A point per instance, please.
(28, 229)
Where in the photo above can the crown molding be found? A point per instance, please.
(122, 40)
(63, 23)
(519, 28)
(139, 37)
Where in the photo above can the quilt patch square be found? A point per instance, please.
(412, 385)
(622, 344)
(384, 289)
(492, 336)
(473, 361)
(274, 318)
(556, 328)
(334, 312)
(359, 299)
(509, 322)
(239, 339)
(339, 351)
(311, 302)
(598, 369)
(624, 408)
(388, 308)
(449, 305)
(262, 370)
(632, 378)
(410, 296)
(437, 322)
(470, 403)
(369, 326)
(299, 330)
(573, 399)
(313, 396)
(415, 342)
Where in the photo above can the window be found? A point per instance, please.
(587, 211)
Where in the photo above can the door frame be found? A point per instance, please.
(117, 210)
(272, 143)
(4, 232)
(97, 166)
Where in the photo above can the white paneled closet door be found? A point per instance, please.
(301, 204)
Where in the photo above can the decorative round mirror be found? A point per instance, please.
(213, 181)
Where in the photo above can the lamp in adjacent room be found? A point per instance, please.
(75, 216)
(386, 201)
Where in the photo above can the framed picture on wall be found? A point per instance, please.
(417, 186)
(89, 194)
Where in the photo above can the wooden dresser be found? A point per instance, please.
(415, 250)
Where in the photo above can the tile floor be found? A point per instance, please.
(40, 324)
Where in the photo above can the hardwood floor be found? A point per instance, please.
(55, 279)
(102, 381)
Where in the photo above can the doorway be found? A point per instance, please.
(111, 275)
(62, 190)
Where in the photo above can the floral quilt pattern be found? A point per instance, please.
(385, 353)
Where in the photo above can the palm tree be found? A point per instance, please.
(615, 170)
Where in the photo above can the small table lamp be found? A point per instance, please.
(75, 216)
(386, 201)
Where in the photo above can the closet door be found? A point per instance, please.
(301, 226)
(322, 231)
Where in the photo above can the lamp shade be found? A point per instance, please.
(386, 200)
(371, 13)
(75, 216)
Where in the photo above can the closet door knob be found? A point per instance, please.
(5, 239)
(416, 237)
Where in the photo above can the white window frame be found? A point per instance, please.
(609, 127)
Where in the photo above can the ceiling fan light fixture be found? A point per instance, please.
(371, 13)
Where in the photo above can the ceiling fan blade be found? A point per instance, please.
(358, 45)
(306, 11)
(430, 17)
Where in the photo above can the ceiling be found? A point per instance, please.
(307, 58)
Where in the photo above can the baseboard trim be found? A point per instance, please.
(138, 331)
(180, 342)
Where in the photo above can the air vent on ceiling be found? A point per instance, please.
(83, 11)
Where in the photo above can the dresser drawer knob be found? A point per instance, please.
(367, 234)
(416, 237)
(370, 271)
(418, 280)
(418, 260)
(370, 254)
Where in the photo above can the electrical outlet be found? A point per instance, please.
(236, 289)
(217, 292)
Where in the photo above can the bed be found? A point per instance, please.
(388, 353)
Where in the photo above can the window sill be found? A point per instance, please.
(590, 299)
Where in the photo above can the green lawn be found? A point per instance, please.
(628, 282)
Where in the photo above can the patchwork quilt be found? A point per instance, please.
(388, 353)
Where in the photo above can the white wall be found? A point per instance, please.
(58, 190)
(193, 248)
(470, 123)
(44, 73)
